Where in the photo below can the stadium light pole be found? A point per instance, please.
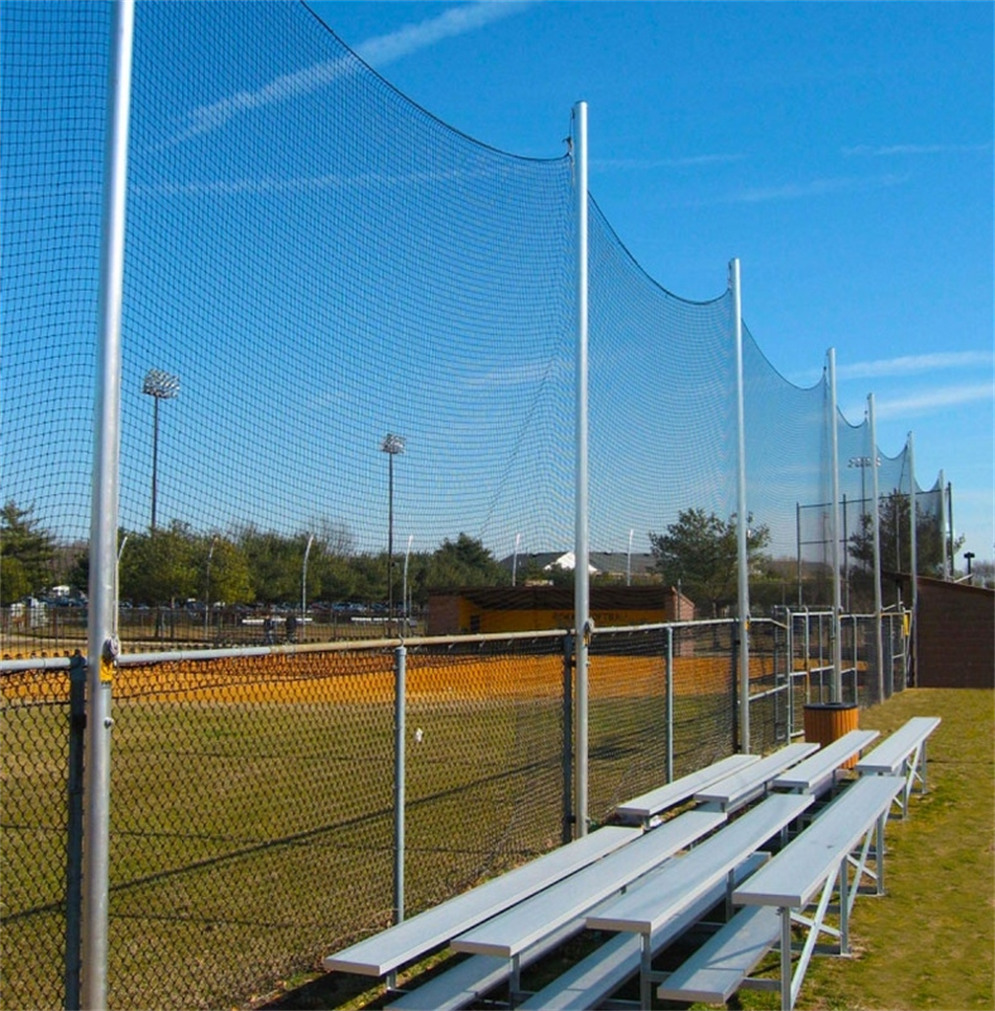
(392, 445)
(158, 385)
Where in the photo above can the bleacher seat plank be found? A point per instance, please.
(470, 978)
(594, 978)
(741, 787)
(406, 941)
(814, 773)
(648, 805)
(525, 923)
(717, 968)
(892, 753)
(684, 879)
(795, 874)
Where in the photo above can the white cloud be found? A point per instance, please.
(455, 21)
(928, 401)
(909, 364)
(690, 161)
(815, 188)
(887, 150)
(378, 51)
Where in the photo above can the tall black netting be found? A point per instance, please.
(348, 326)
(662, 400)
(322, 263)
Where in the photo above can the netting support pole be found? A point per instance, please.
(582, 617)
(876, 531)
(102, 643)
(913, 552)
(742, 526)
(74, 833)
(944, 542)
(836, 689)
(670, 703)
(400, 775)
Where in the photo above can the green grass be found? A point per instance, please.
(929, 942)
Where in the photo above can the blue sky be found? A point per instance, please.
(843, 152)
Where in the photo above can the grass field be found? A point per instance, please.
(927, 944)
(251, 803)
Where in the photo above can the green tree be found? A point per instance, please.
(159, 567)
(27, 551)
(275, 564)
(699, 553)
(14, 581)
(464, 563)
(223, 571)
(895, 534)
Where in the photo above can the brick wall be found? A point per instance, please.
(955, 642)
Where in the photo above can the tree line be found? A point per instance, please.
(698, 553)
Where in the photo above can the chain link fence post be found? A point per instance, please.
(568, 703)
(74, 831)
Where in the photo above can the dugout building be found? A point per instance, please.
(485, 610)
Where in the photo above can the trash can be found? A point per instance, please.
(826, 722)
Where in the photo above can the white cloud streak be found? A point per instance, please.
(930, 401)
(455, 21)
(890, 150)
(906, 365)
(378, 52)
(815, 188)
(690, 161)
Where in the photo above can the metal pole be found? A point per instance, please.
(945, 570)
(390, 543)
(307, 552)
(568, 736)
(836, 690)
(74, 835)
(876, 530)
(102, 644)
(913, 533)
(798, 543)
(950, 530)
(582, 618)
(400, 689)
(742, 531)
(155, 456)
(670, 703)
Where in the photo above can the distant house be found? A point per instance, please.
(614, 565)
(533, 608)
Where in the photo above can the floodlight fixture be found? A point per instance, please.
(161, 385)
(158, 385)
(392, 444)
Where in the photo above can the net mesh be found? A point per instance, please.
(313, 263)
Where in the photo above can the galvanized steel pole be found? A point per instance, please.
(836, 690)
(102, 644)
(582, 618)
(742, 533)
(876, 528)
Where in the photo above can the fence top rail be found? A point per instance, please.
(35, 663)
(367, 645)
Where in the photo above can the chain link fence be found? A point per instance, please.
(253, 792)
